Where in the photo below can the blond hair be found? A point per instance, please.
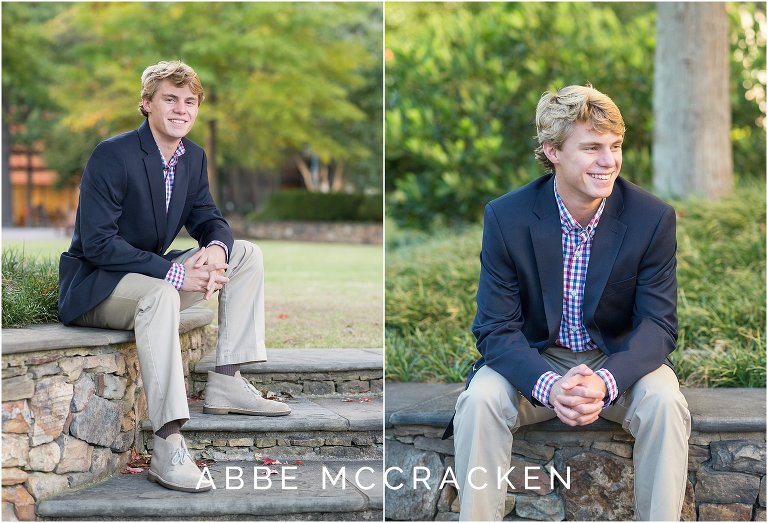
(179, 73)
(557, 112)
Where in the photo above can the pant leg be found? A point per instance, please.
(487, 413)
(241, 306)
(655, 412)
(150, 307)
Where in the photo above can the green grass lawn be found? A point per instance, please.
(431, 281)
(317, 294)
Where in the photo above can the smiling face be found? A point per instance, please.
(171, 113)
(586, 166)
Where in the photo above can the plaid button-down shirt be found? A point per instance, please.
(177, 272)
(577, 246)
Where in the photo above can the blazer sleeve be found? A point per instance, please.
(205, 222)
(654, 323)
(102, 191)
(499, 319)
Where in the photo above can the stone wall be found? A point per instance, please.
(368, 233)
(70, 417)
(308, 383)
(726, 475)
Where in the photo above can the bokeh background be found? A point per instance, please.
(462, 83)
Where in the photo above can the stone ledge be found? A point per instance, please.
(307, 360)
(712, 410)
(56, 336)
(72, 400)
(319, 414)
(726, 460)
(134, 497)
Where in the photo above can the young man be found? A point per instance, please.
(137, 191)
(576, 312)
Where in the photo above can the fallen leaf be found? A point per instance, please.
(282, 316)
(257, 456)
(132, 470)
(347, 399)
(270, 461)
(298, 462)
(204, 462)
(365, 400)
(139, 459)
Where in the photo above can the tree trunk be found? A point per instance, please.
(304, 170)
(213, 178)
(7, 194)
(30, 185)
(692, 154)
(338, 177)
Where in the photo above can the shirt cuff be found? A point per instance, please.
(610, 385)
(543, 387)
(217, 242)
(176, 275)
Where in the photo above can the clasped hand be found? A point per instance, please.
(204, 272)
(578, 396)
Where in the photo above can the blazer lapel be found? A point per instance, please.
(546, 237)
(605, 247)
(153, 165)
(178, 197)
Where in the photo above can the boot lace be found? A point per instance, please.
(180, 454)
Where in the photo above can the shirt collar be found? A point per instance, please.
(568, 222)
(176, 154)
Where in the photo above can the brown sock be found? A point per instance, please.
(229, 370)
(172, 427)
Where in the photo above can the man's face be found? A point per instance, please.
(172, 112)
(587, 165)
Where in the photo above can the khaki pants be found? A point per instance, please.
(151, 307)
(653, 410)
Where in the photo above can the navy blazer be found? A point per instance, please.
(122, 225)
(630, 295)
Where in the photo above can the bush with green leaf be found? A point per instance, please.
(431, 284)
(315, 206)
(463, 81)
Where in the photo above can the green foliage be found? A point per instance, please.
(431, 284)
(462, 90)
(30, 289)
(315, 206)
(463, 81)
(280, 78)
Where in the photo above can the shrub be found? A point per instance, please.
(464, 79)
(314, 206)
(30, 289)
(431, 285)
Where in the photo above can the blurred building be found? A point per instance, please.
(36, 199)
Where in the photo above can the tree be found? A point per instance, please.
(27, 74)
(692, 152)
(463, 81)
(278, 77)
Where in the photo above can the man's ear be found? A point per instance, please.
(145, 105)
(550, 151)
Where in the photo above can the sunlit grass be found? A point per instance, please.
(317, 294)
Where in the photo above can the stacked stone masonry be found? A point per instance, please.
(284, 446)
(364, 233)
(726, 476)
(309, 383)
(70, 417)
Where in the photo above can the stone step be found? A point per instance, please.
(307, 372)
(318, 428)
(309, 492)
